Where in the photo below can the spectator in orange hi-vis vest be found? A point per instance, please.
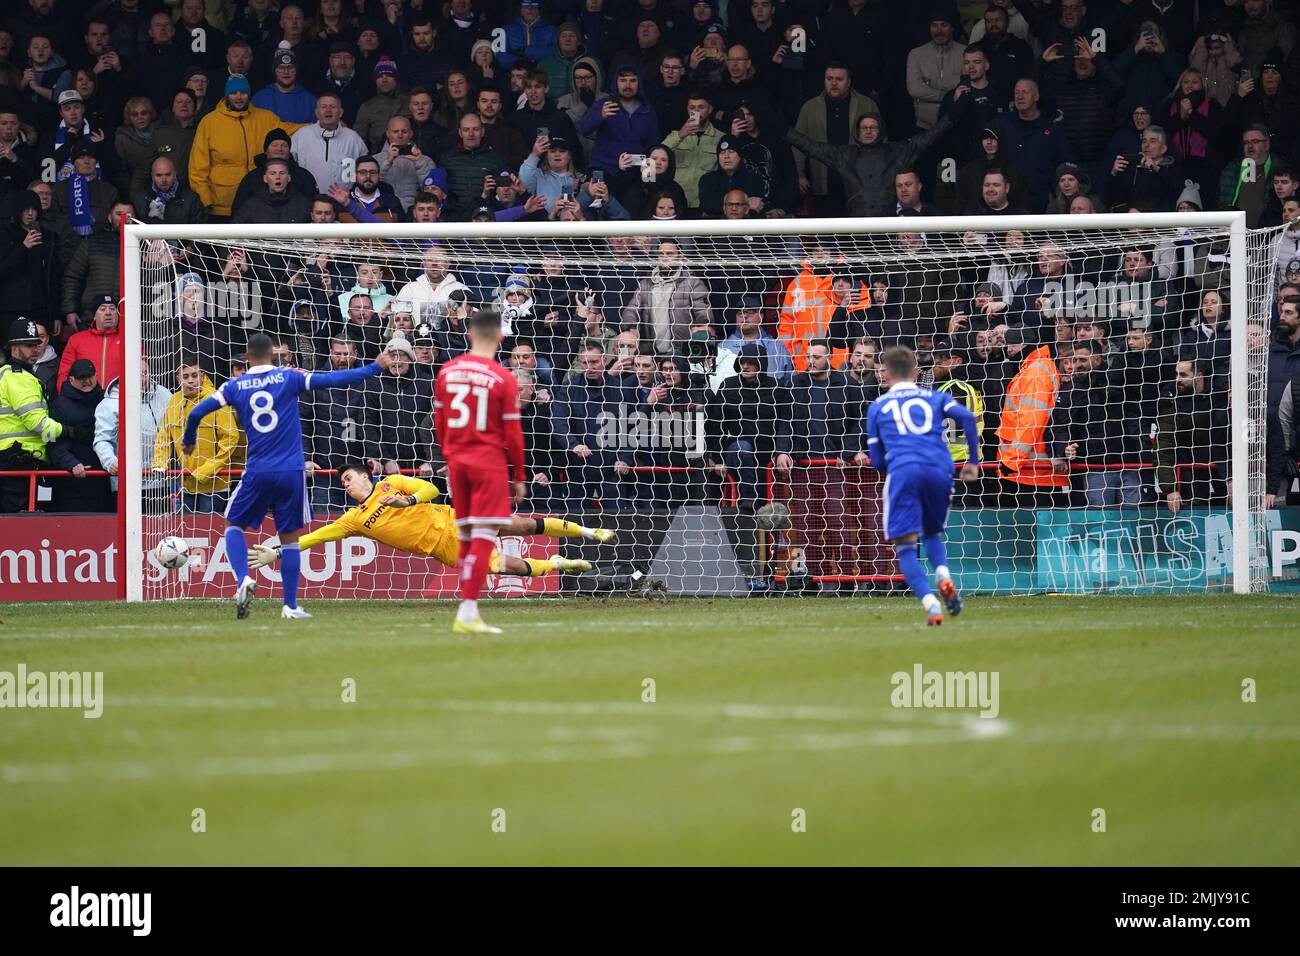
(807, 309)
(1026, 413)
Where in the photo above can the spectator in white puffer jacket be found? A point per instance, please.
(153, 406)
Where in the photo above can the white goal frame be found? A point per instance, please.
(136, 234)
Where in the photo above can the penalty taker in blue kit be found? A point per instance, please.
(266, 400)
(905, 438)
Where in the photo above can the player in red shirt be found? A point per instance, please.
(476, 416)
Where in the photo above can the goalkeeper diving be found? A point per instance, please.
(395, 510)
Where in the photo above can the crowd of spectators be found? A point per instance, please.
(361, 111)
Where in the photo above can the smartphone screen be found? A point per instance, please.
(598, 175)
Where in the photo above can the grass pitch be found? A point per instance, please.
(1130, 705)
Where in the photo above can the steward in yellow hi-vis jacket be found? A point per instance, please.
(969, 396)
(395, 510)
(25, 423)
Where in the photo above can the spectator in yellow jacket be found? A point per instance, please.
(226, 144)
(203, 487)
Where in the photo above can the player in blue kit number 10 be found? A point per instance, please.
(266, 400)
(905, 438)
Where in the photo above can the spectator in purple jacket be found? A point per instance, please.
(621, 124)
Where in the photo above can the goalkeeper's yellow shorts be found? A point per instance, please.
(447, 550)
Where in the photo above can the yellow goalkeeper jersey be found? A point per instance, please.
(422, 529)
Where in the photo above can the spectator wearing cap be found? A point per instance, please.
(342, 80)
(74, 128)
(749, 332)
(396, 414)
(538, 113)
(94, 269)
(621, 124)
(549, 171)
(466, 166)
(402, 164)
(529, 37)
(286, 97)
(934, 69)
(1071, 182)
(291, 34)
(586, 85)
(82, 196)
(373, 116)
(1246, 183)
(422, 64)
(559, 66)
(327, 147)
(74, 409)
(223, 151)
(26, 428)
(276, 145)
(166, 199)
(101, 344)
(730, 174)
(1267, 102)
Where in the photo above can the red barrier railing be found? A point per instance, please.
(32, 475)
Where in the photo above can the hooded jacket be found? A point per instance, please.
(755, 411)
(103, 349)
(623, 132)
(665, 182)
(868, 171)
(224, 150)
(970, 178)
(217, 441)
(27, 276)
(534, 42)
(572, 103)
(1026, 414)
(153, 408)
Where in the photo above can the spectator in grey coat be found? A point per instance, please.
(668, 302)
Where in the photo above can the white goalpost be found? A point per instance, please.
(1116, 363)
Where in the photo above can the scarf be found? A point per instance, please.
(158, 204)
(79, 212)
(61, 132)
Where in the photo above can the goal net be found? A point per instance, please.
(701, 388)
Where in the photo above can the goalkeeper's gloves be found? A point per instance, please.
(260, 555)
